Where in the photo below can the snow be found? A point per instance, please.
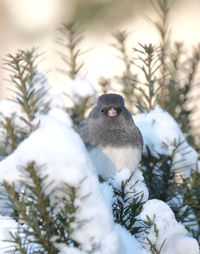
(135, 185)
(57, 146)
(161, 133)
(130, 242)
(171, 233)
(82, 89)
(51, 95)
(108, 194)
(39, 82)
(64, 249)
(57, 99)
(182, 245)
(61, 115)
(61, 150)
(10, 109)
(7, 226)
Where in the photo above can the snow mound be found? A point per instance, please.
(81, 89)
(7, 226)
(10, 113)
(61, 115)
(108, 194)
(135, 183)
(51, 95)
(61, 150)
(10, 109)
(63, 249)
(162, 134)
(171, 234)
(57, 99)
(131, 244)
(182, 245)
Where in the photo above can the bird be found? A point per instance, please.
(111, 137)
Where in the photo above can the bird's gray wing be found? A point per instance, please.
(82, 130)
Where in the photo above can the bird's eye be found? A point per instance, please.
(102, 110)
(119, 110)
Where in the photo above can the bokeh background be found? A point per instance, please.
(28, 23)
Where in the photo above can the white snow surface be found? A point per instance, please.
(52, 95)
(12, 109)
(8, 107)
(60, 115)
(135, 186)
(160, 133)
(132, 246)
(108, 194)
(57, 99)
(61, 150)
(7, 226)
(171, 233)
(81, 89)
(64, 249)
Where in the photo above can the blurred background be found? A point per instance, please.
(28, 23)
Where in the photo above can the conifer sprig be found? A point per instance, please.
(121, 38)
(105, 84)
(23, 74)
(177, 75)
(127, 88)
(150, 224)
(45, 219)
(127, 206)
(164, 182)
(181, 79)
(148, 62)
(70, 42)
(10, 136)
(160, 175)
(162, 8)
(191, 204)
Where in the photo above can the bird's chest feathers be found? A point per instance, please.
(110, 159)
(122, 157)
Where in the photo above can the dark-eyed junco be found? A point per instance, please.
(111, 137)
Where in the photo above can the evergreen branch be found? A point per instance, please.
(121, 38)
(128, 90)
(22, 67)
(149, 224)
(162, 8)
(71, 41)
(147, 55)
(42, 219)
(127, 206)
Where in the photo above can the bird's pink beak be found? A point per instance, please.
(112, 112)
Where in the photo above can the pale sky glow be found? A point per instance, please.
(24, 18)
(30, 16)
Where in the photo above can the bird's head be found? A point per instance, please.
(110, 108)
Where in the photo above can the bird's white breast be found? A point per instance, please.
(108, 160)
